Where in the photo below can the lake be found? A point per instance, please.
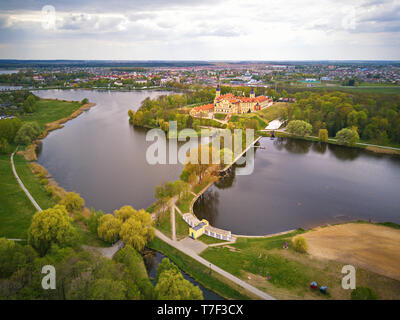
(100, 155)
(295, 183)
(299, 183)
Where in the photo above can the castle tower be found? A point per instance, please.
(252, 94)
(217, 92)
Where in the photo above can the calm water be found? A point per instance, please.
(303, 184)
(100, 155)
(295, 183)
(154, 258)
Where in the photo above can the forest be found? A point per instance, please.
(376, 116)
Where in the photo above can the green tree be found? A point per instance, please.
(49, 226)
(124, 213)
(4, 146)
(27, 133)
(93, 220)
(323, 135)
(138, 230)
(84, 101)
(109, 228)
(347, 137)
(172, 286)
(29, 105)
(299, 128)
(107, 289)
(73, 201)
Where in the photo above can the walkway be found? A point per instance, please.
(35, 204)
(181, 247)
(107, 252)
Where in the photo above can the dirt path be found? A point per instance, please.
(372, 247)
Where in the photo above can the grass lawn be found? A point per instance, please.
(32, 183)
(220, 116)
(273, 112)
(164, 223)
(201, 273)
(15, 208)
(184, 204)
(290, 272)
(51, 110)
(210, 240)
(181, 227)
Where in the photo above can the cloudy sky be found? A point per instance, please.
(200, 29)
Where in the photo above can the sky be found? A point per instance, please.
(200, 29)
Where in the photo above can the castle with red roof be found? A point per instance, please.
(230, 104)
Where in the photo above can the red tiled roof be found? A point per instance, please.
(205, 107)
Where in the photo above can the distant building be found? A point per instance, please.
(228, 103)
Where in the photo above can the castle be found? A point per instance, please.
(230, 104)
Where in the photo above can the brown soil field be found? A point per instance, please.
(369, 246)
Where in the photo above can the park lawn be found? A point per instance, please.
(290, 272)
(273, 112)
(51, 110)
(181, 227)
(220, 116)
(213, 281)
(210, 240)
(164, 223)
(184, 204)
(15, 208)
(32, 183)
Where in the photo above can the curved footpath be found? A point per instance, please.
(173, 243)
(35, 204)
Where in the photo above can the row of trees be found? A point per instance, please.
(346, 136)
(375, 117)
(14, 131)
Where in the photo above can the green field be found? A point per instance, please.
(184, 204)
(164, 223)
(287, 274)
(15, 210)
(51, 110)
(181, 227)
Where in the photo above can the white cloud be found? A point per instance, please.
(232, 29)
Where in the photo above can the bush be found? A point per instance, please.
(300, 244)
(347, 137)
(323, 135)
(44, 181)
(299, 128)
(363, 293)
(72, 201)
(84, 101)
(27, 133)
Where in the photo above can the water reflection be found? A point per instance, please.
(153, 258)
(300, 183)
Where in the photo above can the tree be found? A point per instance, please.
(347, 137)
(124, 213)
(28, 132)
(109, 228)
(323, 135)
(73, 201)
(300, 244)
(172, 286)
(201, 161)
(164, 266)
(107, 289)
(84, 101)
(299, 128)
(4, 146)
(138, 230)
(29, 105)
(93, 221)
(49, 226)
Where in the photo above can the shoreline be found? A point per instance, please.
(30, 151)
